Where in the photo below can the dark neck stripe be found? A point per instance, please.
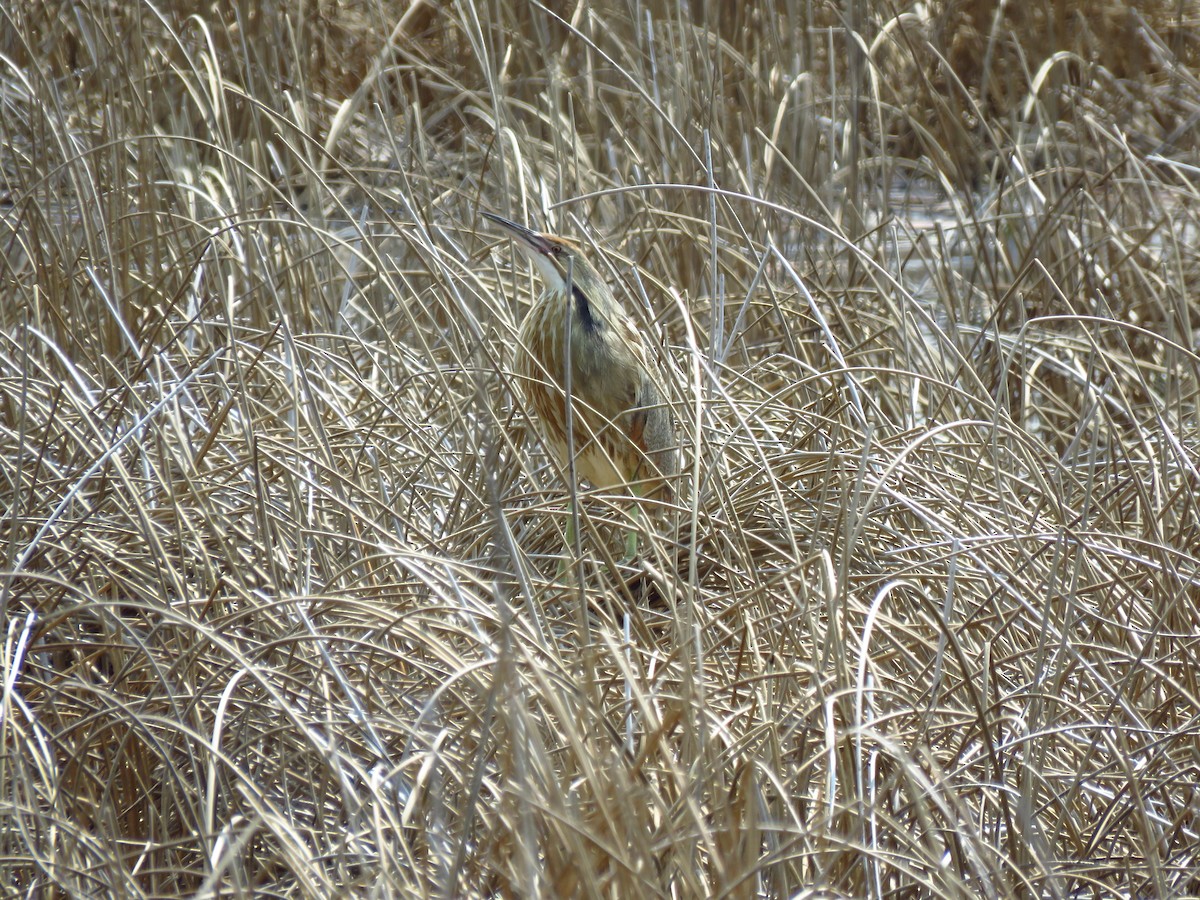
(583, 309)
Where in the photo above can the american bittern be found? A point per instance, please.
(578, 342)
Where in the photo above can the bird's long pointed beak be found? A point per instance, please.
(526, 236)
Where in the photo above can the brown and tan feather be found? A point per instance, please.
(622, 428)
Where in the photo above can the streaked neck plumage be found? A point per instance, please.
(566, 273)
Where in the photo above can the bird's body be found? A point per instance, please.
(578, 341)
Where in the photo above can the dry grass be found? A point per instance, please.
(284, 613)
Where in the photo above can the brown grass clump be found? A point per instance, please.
(288, 605)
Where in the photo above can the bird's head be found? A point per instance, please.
(559, 261)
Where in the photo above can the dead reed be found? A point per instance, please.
(282, 600)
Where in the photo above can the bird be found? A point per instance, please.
(580, 351)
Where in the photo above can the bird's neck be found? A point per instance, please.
(584, 311)
(588, 293)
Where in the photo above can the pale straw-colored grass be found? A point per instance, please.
(286, 611)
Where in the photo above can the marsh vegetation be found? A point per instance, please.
(288, 605)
